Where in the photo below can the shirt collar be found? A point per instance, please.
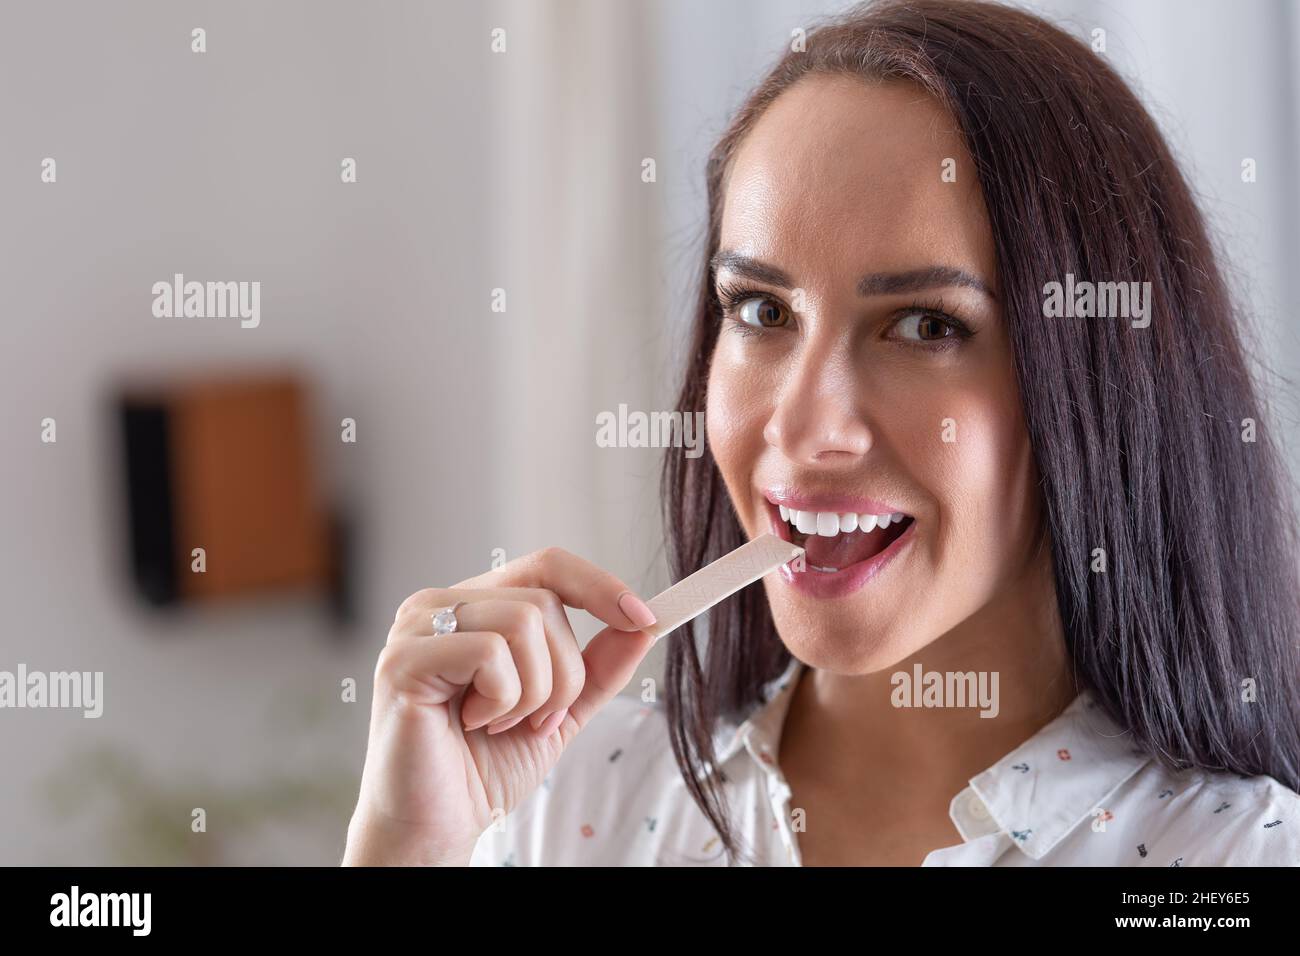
(1058, 778)
(760, 733)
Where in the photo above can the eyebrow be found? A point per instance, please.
(875, 283)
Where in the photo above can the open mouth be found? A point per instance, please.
(833, 541)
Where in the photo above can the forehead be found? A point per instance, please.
(845, 174)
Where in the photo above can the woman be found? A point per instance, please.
(1048, 613)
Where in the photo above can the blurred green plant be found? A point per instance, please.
(148, 819)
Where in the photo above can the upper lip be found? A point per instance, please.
(799, 500)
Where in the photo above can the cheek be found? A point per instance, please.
(735, 414)
(973, 456)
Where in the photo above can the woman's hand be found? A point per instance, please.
(441, 765)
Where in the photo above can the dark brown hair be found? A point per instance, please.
(1136, 432)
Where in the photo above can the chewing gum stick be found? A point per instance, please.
(693, 595)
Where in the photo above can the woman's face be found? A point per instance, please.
(863, 370)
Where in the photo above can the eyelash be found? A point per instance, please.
(732, 296)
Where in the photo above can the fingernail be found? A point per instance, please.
(503, 724)
(539, 718)
(551, 723)
(636, 610)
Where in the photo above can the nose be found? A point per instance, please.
(816, 420)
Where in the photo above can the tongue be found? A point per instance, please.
(843, 549)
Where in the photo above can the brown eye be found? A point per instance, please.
(933, 328)
(923, 327)
(761, 312)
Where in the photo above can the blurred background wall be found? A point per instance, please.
(476, 171)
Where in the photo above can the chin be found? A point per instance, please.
(837, 641)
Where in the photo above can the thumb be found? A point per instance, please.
(611, 657)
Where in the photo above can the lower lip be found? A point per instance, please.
(845, 581)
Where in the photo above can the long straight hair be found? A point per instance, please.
(1140, 435)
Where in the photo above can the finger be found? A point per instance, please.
(611, 658)
(414, 621)
(522, 625)
(415, 615)
(577, 582)
(568, 672)
(435, 671)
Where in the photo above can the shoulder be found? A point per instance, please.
(599, 801)
(1205, 818)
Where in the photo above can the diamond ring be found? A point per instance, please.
(444, 622)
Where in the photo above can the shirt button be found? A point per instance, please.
(977, 808)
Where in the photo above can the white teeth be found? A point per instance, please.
(828, 524)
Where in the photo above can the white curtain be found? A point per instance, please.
(574, 243)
